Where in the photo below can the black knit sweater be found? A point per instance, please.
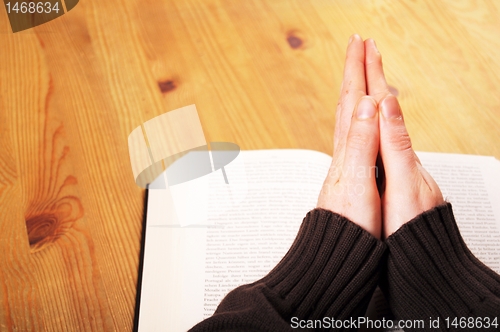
(330, 272)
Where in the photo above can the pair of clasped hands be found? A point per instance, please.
(370, 134)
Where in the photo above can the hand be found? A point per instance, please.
(409, 189)
(350, 188)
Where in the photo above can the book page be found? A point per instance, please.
(472, 184)
(189, 267)
(220, 236)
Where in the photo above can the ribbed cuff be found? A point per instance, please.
(431, 272)
(331, 270)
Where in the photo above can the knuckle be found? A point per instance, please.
(375, 58)
(358, 140)
(383, 92)
(353, 58)
(399, 140)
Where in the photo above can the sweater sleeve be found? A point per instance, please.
(432, 274)
(331, 270)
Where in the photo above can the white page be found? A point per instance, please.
(177, 292)
(472, 184)
(281, 187)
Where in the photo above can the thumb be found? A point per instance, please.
(409, 190)
(395, 144)
(363, 138)
(359, 170)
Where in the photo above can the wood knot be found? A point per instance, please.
(42, 228)
(166, 86)
(51, 223)
(294, 41)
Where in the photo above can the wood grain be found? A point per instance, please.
(263, 74)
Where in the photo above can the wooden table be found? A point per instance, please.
(263, 74)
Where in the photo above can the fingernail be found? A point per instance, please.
(375, 45)
(355, 36)
(390, 107)
(366, 108)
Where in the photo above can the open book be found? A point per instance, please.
(204, 237)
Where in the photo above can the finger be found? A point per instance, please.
(375, 79)
(353, 87)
